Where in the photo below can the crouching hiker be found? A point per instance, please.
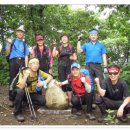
(81, 90)
(30, 79)
(112, 92)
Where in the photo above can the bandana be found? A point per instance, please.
(113, 69)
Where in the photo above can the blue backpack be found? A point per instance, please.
(85, 72)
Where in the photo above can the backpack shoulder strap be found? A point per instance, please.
(12, 44)
(24, 43)
(35, 50)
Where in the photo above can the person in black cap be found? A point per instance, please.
(112, 92)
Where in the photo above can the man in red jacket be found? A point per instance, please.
(81, 89)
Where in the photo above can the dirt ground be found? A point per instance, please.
(7, 117)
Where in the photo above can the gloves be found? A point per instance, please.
(82, 79)
(80, 37)
(44, 84)
(105, 70)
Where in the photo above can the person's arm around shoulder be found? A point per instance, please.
(121, 108)
(79, 49)
(99, 89)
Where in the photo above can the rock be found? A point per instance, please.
(55, 97)
(54, 112)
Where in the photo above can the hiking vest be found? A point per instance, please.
(44, 58)
(78, 87)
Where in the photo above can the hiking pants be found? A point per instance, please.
(63, 72)
(105, 103)
(78, 101)
(14, 65)
(95, 70)
(20, 96)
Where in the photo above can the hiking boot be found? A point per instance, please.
(101, 119)
(90, 116)
(20, 117)
(123, 118)
(11, 103)
(78, 113)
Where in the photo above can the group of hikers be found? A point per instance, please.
(112, 92)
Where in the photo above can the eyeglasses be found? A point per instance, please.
(113, 73)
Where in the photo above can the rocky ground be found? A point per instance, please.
(7, 117)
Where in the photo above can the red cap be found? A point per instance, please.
(39, 37)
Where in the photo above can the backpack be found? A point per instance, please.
(12, 44)
(85, 72)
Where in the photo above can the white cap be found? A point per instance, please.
(20, 28)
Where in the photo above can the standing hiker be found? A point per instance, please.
(66, 56)
(18, 52)
(81, 89)
(43, 53)
(95, 53)
(30, 79)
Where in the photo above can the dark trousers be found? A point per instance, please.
(63, 72)
(14, 65)
(105, 103)
(95, 71)
(78, 101)
(20, 96)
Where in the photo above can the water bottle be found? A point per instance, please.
(39, 89)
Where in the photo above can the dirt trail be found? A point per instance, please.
(7, 117)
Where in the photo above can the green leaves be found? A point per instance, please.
(111, 118)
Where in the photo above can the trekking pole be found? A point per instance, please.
(28, 103)
(31, 108)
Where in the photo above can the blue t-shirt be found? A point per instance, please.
(93, 52)
(18, 49)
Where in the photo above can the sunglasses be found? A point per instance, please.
(113, 73)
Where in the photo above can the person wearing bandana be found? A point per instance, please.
(112, 92)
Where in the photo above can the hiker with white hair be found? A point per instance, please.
(17, 55)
